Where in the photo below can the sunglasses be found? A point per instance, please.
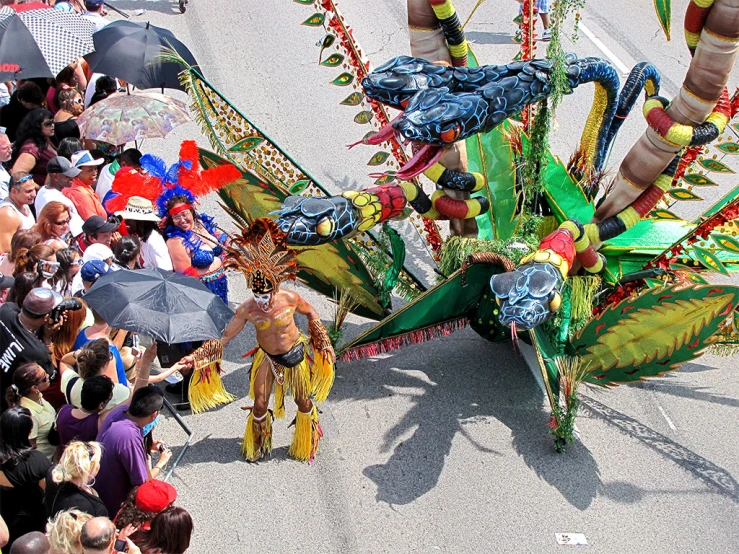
(79, 101)
(24, 179)
(64, 222)
(42, 381)
(48, 123)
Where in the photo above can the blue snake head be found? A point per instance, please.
(311, 221)
(439, 118)
(396, 81)
(528, 296)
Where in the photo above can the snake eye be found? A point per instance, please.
(451, 134)
(404, 102)
(325, 227)
(555, 300)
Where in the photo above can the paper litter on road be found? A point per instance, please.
(571, 538)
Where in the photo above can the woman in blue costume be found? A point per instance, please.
(193, 241)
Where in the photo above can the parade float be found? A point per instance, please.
(583, 260)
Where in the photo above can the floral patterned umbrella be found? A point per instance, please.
(129, 117)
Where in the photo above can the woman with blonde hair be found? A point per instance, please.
(63, 532)
(53, 225)
(68, 484)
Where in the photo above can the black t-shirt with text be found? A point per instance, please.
(18, 346)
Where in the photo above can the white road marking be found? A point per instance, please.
(667, 418)
(621, 66)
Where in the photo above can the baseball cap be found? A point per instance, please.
(60, 164)
(83, 158)
(92, 270)
(97, 252)
(6, 281)
(154, 496)
(93, 3)
(40, 301)
(97, 224)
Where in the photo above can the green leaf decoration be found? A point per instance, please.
(327, 41)
(299, 186)
(683, 194)
(333, 60)
(244, 145)
(363, 117)
(653, 283)
(315, 20)
(698, 180)
(689, 273)
(731, 148)
(664, 14)
(385, 180)
(378, 159)
(304, 2)
(714, 165)
(710, 260)
(368, 134)
(725, 242)
(663, 214)
(354, 99)
(655, 332)
(343, 80)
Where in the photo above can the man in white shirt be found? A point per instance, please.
(5, 151)
(60, 174)
(94, 13)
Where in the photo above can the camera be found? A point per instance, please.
(64, 305)
(162, 447)
(120, 546)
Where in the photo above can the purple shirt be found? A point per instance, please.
(123, 465)
(73, 429)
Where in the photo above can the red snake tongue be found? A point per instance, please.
(383, 135)
(426, 156)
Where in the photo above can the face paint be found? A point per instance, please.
(264, 301)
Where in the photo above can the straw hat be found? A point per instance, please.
(140, 209)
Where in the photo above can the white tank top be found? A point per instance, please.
(27, 221)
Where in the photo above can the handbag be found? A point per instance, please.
(53, 436)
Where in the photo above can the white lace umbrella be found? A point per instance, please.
(130, 117)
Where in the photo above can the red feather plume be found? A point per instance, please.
(128, 183)
(189, 152)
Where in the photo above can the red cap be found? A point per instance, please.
(154, 496)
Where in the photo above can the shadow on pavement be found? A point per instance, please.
(716, 477)
(169, 7)
(467, 380)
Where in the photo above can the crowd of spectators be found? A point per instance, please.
(80, 469)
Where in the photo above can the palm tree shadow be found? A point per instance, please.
(465, 379)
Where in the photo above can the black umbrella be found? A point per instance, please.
(131, 52)
(40, 43)
(167, 306)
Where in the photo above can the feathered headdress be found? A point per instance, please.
(261, 253)
(161, 183)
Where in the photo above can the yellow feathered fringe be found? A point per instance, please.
(207, 390)
(306, 437)
(254, 447)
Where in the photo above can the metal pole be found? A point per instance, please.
(116, 10)
(186, 428)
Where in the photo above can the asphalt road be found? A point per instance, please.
(443, 446)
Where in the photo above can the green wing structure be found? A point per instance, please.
(439, 311)
(269, 176)
(654, 332)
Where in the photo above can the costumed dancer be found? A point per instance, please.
(193, 240)
(281, 358)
